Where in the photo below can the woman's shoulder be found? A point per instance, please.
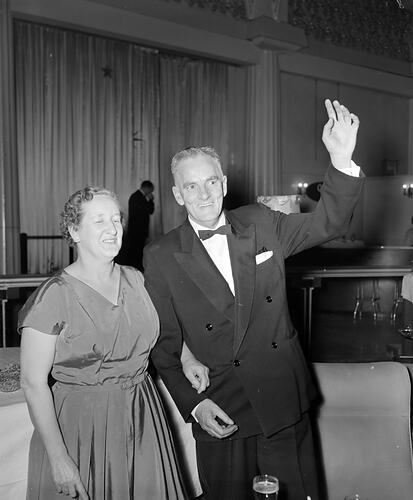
(128, 269)
(47, 304)
(52, 289)
(131, 273)
(53, 284)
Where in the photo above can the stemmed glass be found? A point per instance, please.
(265, 487)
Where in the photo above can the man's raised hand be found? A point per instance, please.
(340, 133)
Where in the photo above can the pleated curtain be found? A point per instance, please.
(263, 124)
(87, 113)
(194, 112)
(92, 110)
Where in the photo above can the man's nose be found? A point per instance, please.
(204, 192)
(112, 228)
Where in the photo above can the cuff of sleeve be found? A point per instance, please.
(353, 171)
(193, 412)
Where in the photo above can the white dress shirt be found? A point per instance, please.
(217, 248)
(353, 171)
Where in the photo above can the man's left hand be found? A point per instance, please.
(214, 420)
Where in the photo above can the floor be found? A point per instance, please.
(337, 337)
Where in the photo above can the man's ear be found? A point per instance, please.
(224, 185)
(178, 196)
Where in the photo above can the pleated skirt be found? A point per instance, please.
(120, 440)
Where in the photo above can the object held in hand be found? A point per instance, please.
(221, 422)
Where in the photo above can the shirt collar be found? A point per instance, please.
(196, 227)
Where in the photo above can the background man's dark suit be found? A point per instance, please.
(140, 207)
(258, 373)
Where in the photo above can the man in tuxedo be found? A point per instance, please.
(223, 293)
(140, 206)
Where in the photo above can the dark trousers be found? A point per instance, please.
(226, 468)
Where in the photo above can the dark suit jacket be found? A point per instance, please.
(258, 373)
(139, 210)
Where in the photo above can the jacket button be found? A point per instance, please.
(274, 345)
(268, 298)
(209, 327)
(236, 362)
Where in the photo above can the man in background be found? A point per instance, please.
(140, 207)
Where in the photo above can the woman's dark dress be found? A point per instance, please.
(108, 409)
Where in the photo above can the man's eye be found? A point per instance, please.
(190, 187)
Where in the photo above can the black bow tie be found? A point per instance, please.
(204, 234)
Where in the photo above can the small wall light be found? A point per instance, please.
(301, 188)
(408, 190)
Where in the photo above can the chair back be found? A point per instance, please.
(364, 430)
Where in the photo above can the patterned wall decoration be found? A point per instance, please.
(380, 27)
(234, 8)
(376, 26)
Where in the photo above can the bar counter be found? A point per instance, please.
(338, 260)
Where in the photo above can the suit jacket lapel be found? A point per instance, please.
(242, 248)
(197, 264)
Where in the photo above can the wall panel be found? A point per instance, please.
(298, 129)
(383, 214)
(384, 128)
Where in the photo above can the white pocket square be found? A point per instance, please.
(262, 257)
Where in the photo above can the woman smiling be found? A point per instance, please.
(100, 432)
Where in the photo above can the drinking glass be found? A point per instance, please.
(265, 487)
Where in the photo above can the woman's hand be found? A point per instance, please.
(67, 479)
(196, 372)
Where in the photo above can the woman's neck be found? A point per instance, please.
(95, 271)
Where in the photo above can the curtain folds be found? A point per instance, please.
(9, 204)
(263, 169)
(87, 113)
(194, 112)
(97, 111)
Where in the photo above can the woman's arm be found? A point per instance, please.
(37, 354)
(194, 370)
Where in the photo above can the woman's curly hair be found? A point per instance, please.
(72, 212)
